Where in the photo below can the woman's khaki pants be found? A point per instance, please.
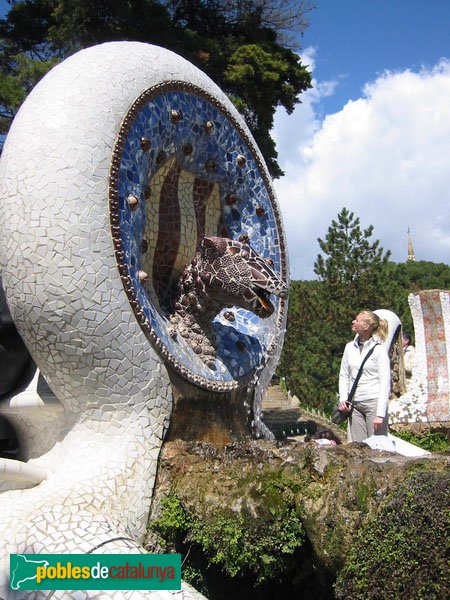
(360, 422)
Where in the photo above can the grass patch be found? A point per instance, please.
(433, 441)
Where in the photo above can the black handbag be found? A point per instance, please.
(339, 416)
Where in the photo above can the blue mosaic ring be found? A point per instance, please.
(185, 167)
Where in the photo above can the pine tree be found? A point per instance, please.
(305, 357)
(354, 266)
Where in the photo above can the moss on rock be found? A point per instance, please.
(402, 550)
(236, 542)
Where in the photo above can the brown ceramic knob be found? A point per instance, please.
(175, 116)
(145, 144)
(241, 160)
(133, 202)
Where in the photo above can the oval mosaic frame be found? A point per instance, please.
(260, 223)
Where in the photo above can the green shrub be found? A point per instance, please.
(400, 553)
(240, 544)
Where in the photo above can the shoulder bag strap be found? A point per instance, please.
(358, 376)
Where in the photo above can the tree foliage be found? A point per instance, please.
(412, 277)
(306, 360)
(352, 266)
(243, 45)
(22, 75)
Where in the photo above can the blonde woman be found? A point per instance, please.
(369, 415)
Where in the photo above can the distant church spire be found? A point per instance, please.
(411, 255)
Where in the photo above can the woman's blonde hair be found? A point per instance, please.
(379, 326)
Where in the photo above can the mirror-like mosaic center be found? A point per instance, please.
(182, 172)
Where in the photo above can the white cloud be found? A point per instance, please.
(385, 156)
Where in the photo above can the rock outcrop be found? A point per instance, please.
(273, 520)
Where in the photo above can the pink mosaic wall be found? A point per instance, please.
(435, 314)
(427, 399)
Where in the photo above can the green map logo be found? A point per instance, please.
(24, 570)
(95, 572)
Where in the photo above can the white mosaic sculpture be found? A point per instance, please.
(98, 456)
(428, 398)
(394, 325)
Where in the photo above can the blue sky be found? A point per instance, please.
(4, 7)
(359, 39)
(373, 134)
